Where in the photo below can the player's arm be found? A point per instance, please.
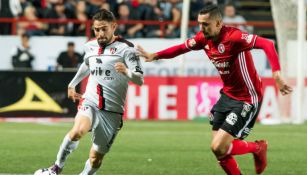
(83, 71)
(168, 53)
(131, 67)
(195, 43)
(270, 51)
(135, 77)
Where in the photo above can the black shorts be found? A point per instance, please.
(234, 116)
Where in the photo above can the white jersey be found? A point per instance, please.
(107, 88)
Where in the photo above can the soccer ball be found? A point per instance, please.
(44, 171)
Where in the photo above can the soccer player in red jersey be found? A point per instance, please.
(233, 116)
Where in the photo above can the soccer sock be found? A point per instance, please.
(88, 169)
(66, 148)
(229, 165)
(239, 147)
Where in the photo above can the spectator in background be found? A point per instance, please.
(231, 17)
(124, 14)
(39, 5)
(154, 13)
(59, 12)
(172, 11)
(81, 15)
(31, 26)
(69, 58)
(93, 6)
(21, 55)
(9, 9)
(106, 6)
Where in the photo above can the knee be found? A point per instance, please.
(219, 150)
(96, 161)
(76, 134)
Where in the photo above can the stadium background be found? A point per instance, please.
(175, 99)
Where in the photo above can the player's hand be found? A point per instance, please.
(281, 85)
(121, 68)
(148, 57)
(73, 95)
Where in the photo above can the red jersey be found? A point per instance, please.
(231, 56)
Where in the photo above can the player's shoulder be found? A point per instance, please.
(232, 32)
(124, 42)
(91, 43)
(199, 36)
(123, 46)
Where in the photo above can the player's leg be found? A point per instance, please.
(104, 132)
(82, 125)
(238, 124)
(246, 119)
(219, 146)
(220, 143)
(70, 142)
(227, 122)
(93, 163)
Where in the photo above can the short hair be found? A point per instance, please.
(104, 15)
(70, 43)
(25, 35)
(213, 10)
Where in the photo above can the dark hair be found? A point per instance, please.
(104, 15)
(70, 43)
(229, 5)
(25, 35)
(213, 10)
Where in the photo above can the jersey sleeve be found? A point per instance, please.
(242, 41)
(195, 43)
(132, 60)
(86, 54)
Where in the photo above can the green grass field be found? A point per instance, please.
(149, 148)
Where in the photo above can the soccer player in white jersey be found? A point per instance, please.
(111, 62)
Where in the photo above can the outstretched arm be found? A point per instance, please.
(164, 54)
(195, 43)
(270, 51)
(82, 73)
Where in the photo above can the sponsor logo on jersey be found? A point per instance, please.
(101, 72)
(231, 118)
(221, 64)
(98, 61)
(113, 50)
(221, 48)
(247, 37)
(224, 72)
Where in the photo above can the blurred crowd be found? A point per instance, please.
(82, 10)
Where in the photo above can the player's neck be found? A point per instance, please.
(112, 40)
(217, 37)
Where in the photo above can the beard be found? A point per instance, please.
(103, 41)
(207, 35)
